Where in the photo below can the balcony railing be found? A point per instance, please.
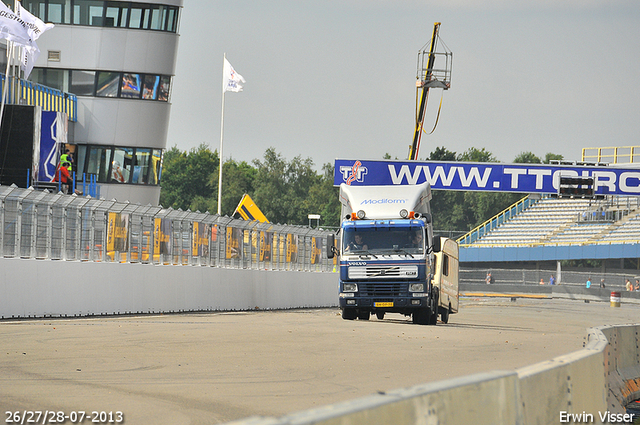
(24, 92)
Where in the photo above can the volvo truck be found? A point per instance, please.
(390, 262)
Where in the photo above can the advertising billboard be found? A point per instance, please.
(486, 177)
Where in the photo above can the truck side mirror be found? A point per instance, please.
(331, 241)
(437, 244)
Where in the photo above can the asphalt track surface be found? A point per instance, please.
(218, 367)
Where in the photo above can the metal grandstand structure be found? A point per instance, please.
(546, 227)
(550, 228)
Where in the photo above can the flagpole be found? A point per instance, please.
(6, 78)
(220, 152)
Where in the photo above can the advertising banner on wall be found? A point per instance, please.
(487, 177)
(292, 248)
(234, 242)
(52, 135)
(161, 237)
(200, 240)
(117, 232)
(316, 250)
(266, 242)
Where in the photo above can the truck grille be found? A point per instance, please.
(382, 289)
(383, 272)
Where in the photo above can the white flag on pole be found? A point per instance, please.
(35, 29)
(13, 28)
(230, 78)
(28, 59)
(35, 26)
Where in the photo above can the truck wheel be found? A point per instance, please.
(421, 317)
(380, 315)
(349, 314)
(445, 314)
(433, 317)
(363, 315)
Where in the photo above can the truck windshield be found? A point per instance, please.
(384, 240)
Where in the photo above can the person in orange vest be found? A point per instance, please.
(64, 176)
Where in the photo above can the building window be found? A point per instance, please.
(172, 19)
(98, 162)
(141, 167)
(54, 78)
(150, 90)
(163, 95)
(127, 85)
(121, 14)
(36, 7)
(115, 15)
(122, 165)
(107, 84)
(59, 11)
(130, 86)
(116, 164)
(156, 18)
(137, 16)
(156, 163)
(82, 83)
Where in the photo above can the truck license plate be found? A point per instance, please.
(383, 304)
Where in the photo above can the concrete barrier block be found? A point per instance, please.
(571, 384)
(486, 398)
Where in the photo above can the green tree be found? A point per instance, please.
(281, 187)
(442, 154)
(527, 158)
(186, 176)
(552, 157)
(447, 206)
(237, 179)
(323, 198)
(477, 155)
(481, 206)
(462, 211)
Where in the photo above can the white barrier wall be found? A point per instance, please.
(39, 288)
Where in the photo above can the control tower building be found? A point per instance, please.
(119, 58)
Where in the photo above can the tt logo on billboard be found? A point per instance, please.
(354, 173)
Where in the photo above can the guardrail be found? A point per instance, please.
(42, 225)
(25, 92)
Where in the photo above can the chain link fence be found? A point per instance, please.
(613, 278)
(54, 226)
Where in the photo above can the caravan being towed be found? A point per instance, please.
(390, 262)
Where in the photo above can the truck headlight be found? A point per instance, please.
(350, 287)
(416, 287)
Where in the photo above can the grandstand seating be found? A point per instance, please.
(565, 221)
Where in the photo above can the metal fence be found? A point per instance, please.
(42, 225)
(24, 92)
(613, 278)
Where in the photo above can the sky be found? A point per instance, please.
(336, 78)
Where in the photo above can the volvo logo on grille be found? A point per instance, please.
(358, 263)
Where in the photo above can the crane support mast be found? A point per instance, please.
(433, 78)
(413, 154)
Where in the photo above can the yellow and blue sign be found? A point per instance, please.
(248, 210)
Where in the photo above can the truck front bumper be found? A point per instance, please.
(390, 304)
